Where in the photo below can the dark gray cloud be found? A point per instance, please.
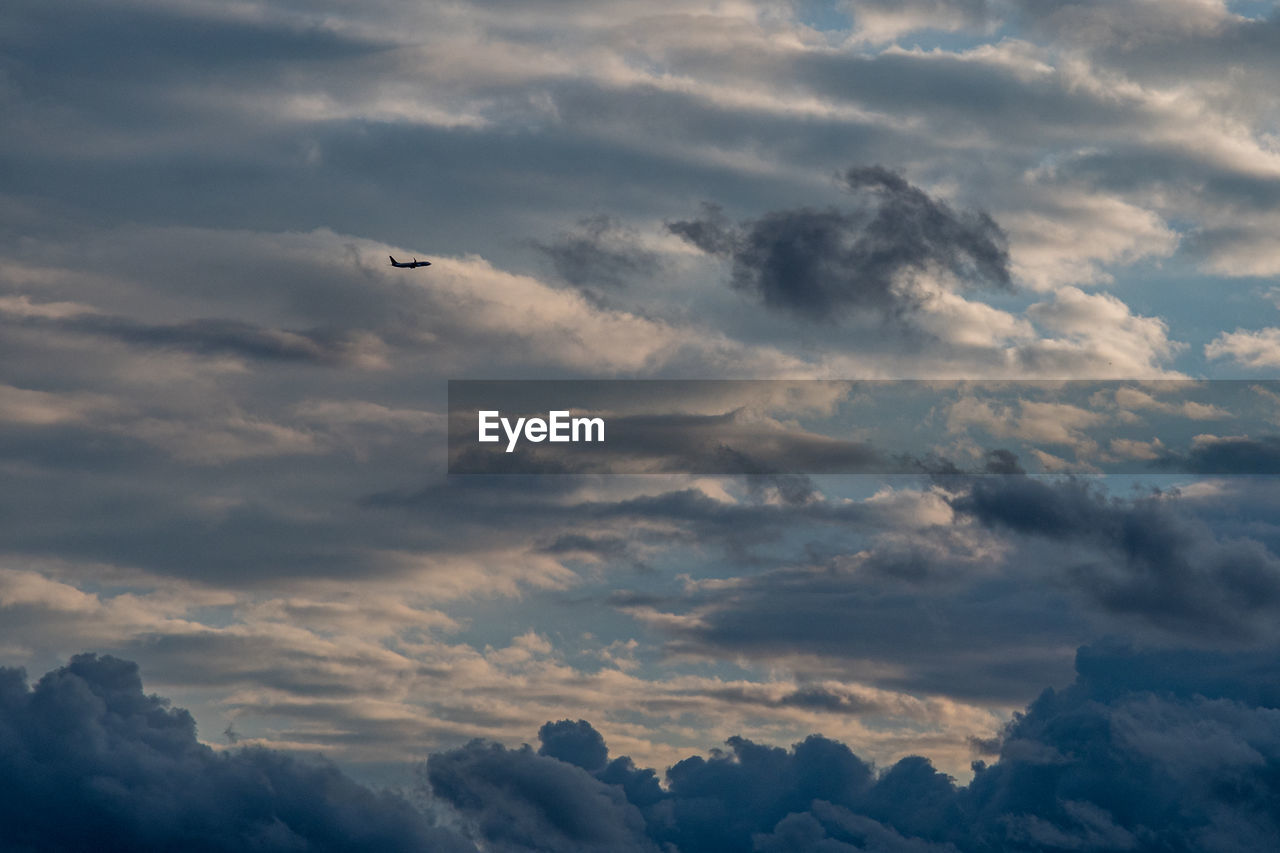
(1228, 455)
(994, 639)
(576, 743)
(517, 800)
(1153, 559)
(93, 763)
(521, 801)
(824, 263)
(1109, 669)
(1145, 751)
(139, 40)
(1148, 750)
(979, 606)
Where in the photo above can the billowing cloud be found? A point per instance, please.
(1142, 752)
(88, 741)
(1257, 349)
(1146, 749)
(821, 264)
(1159, 563)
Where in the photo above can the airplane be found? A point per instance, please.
(414, 264)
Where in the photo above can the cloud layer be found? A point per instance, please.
(222, 419)
(1123, 759)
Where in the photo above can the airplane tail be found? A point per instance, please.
(393, 260)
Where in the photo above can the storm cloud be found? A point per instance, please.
(1157, 561)
(93, 763)
(1227, 455)
(821, 264)
(1145, 751)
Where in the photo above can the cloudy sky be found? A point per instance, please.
(223, 415)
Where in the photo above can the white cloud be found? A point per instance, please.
(1071, 237)
(1255, 349)
(1100, 331)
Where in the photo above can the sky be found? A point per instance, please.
(223, 424)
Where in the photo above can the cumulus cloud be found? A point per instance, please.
(1072, 236)
(1239, 241)
(1096, 334)
(518, 800)
(1034, 421)
(1144, 751)
(1256, 349)
(86, 740)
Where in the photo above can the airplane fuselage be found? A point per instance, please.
(409, 264)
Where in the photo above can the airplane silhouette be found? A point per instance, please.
(415, 263)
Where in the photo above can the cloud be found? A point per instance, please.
(1257, 349)
(1231, 454)
(232, 337)
(947, 609)
(879, 21)
(821, 264)
(1239, 240)
(1035, 421)
(576, 743)
(1130, 400)
(45, 408)
(940, 612)
(1138, 739)
(1067, 235)
(1145, 751)
(600, 254)
(1161, 564)
(201, 198)
(1095, 334)
(87, 741)
(517, 800)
